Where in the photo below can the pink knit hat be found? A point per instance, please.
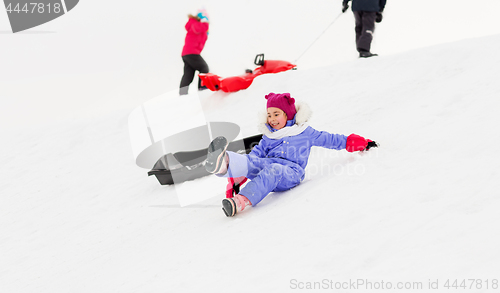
(284, 102)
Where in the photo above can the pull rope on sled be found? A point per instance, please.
(331, 23)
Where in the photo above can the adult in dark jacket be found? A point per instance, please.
(366, 13)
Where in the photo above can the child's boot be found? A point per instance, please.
(217, 159)
(234, 205)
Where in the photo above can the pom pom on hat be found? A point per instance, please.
(284, 102)
(202, 15)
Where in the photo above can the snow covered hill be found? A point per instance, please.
(77, 214)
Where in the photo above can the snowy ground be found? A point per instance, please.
(77, 215)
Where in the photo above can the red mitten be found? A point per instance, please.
(233, 185)
(356, 143)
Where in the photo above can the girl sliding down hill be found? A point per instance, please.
(277, 163)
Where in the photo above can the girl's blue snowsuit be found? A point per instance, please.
(278, 164)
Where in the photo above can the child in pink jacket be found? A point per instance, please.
(197, 34)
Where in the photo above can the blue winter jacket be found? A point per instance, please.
(278, 164)
(297, 148)
(367, 5)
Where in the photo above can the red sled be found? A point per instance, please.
(235, 83)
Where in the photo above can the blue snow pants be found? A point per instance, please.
(265, 174)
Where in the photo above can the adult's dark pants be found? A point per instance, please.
(192, 63)
(365, 26)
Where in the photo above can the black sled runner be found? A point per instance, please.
(184, 166)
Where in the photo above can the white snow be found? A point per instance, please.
(77, 214)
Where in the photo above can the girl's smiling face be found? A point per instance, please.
(276, 118)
